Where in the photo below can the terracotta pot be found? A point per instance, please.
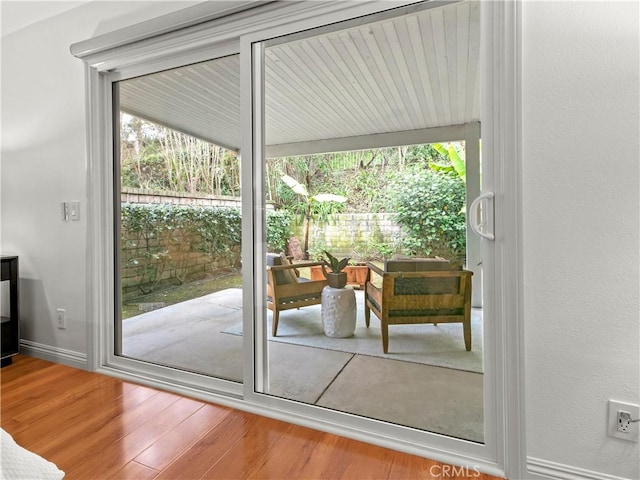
(316, 273)
(356, 274)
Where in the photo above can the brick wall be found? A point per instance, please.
(139, 195)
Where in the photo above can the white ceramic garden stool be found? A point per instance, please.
(338, 312)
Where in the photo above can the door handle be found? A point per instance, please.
(475, 226)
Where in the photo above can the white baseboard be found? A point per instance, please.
(54, 354)
(539, 469)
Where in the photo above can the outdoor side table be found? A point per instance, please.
(338, 311)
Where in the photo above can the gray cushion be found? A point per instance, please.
(283, 277)
(417, 265)
(274, 259)
(290, 274)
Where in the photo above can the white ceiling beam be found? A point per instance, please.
(366, 142)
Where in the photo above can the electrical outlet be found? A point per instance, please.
(60, 317)
(620, 424)
(624, 421)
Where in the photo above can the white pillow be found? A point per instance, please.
(17, 463)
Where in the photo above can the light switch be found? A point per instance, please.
(74, 211)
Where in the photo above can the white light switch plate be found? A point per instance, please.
(74, 211)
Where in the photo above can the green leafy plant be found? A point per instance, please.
(455, 164)
(145, 227)
(372, 250)
(278, 230)
(310, 200)
(158, 240)
(429, 208)
(336, 265)
(316, 251)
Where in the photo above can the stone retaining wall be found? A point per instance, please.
(175, 257)
(349, 233)
(171, 259)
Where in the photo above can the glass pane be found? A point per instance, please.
(342, 181)
(179, 219)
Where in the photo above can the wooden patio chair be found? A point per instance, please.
(418, 291)
(286, 290)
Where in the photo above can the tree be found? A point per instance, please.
(142, 165)
(155, 157)
(310, 201)
(454, 162)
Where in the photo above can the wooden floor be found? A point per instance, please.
(97, 427)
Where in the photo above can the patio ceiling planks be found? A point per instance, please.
(408, 73)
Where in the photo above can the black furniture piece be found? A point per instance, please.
(10, 333)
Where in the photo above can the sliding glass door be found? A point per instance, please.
(178, 218)
(371, 154)
(359, 125)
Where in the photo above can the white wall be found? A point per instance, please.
(581, 222)
(581, 106)
(44, 162)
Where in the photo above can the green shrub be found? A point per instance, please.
(372, 250)
(430, 208)
(148, 230)
(219, 228)
(150, 239)
(278, 230)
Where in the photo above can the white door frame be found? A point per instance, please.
(504, 452)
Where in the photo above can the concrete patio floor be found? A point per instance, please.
(189, 336)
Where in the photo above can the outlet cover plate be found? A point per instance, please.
(612, 421)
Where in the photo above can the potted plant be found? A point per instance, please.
(336, 278)
(356, 272)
